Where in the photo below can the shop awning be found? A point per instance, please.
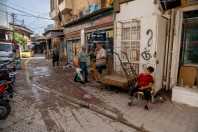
(103, 10)
(53, 33)
(101, 27)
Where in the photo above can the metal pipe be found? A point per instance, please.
(166, 51)
(170, 48)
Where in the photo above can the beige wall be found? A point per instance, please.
(78, 6)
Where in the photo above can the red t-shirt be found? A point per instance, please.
(144, 80)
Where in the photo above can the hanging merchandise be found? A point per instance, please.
(94, 7)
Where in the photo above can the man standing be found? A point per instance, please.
(82, 62)
(100, 54)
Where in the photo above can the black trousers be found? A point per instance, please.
(53, 61)
(147, 92)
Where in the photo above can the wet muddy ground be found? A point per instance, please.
(37, 110)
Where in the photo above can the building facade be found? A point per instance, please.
(163, 34)
(4, 24)
(158, 33)
(184, 63)
(80, 20)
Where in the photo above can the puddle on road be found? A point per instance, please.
(41, 71)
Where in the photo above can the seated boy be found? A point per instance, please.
(145, 81)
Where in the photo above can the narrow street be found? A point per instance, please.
(35, 109)
(99, 66)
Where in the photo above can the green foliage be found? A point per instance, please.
(110, 4)
(19, 38)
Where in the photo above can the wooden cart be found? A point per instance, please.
(111, 77)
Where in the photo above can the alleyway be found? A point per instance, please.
(48, 99)
(38, 110)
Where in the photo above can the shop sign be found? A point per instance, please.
(91, 23)
(187, 3)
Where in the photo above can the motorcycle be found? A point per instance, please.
(6, 94)
(8, 72)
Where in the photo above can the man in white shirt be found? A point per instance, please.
(100, 54)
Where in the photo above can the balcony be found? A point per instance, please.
(66, 5)
(54, 14)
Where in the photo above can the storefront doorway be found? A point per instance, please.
(188, 64)
(105, 38)
(73, 47)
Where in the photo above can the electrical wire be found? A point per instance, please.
(22, 14)
(25, 12)
(38, 27)
(28, 24)
(26, 8)
(34, 21)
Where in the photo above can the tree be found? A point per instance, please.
(19, 38)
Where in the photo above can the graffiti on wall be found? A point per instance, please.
(146, 55)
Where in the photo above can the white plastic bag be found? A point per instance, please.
(80, 76)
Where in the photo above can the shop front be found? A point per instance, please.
(94, 28)
(184, 70)
(102, 34)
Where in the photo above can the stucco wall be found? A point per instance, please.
(137, 9)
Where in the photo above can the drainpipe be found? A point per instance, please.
(166, 52)
(170, 48)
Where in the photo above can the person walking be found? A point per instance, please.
(55, 57)
(82, 62)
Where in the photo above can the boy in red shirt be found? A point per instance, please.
(145, 81)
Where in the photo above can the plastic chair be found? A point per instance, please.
(140, 94)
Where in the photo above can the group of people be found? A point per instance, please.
(100, 59)
(144, 83)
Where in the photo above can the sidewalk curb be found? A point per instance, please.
(95, 108)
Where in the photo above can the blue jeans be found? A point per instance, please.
(100, 68)
(83, 66)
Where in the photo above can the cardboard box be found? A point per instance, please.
(188, 74)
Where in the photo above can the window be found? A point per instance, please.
(60, 1)
(189, 40)
(5, 47)
(127, 41)
(52, 5)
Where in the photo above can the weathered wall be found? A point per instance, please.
(137, 9)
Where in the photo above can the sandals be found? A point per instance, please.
(146, 107)
(130, 103)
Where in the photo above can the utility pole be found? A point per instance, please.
(13, 19)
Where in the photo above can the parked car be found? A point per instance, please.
(26, 54)
(32, 53)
